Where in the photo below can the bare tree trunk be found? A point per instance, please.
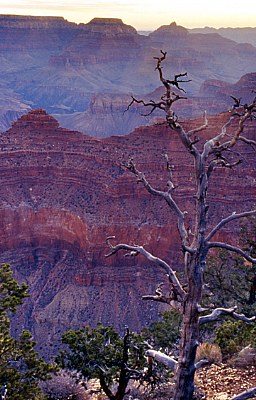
(189, 335)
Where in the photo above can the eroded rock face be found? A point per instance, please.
(62, 193)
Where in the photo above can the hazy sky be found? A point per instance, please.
(142, 14)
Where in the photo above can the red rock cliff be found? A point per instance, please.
(62, 193)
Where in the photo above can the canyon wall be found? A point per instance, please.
(62, 193)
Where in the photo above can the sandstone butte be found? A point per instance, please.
(62, 193)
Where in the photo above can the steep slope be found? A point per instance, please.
(62, 193)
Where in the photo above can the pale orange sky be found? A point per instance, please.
(142, 14)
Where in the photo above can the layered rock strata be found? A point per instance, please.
(62, 193)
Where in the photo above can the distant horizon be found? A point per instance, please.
(143, 15)
(138, 29)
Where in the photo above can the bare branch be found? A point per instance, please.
(151, 103)
(170, 362)
(211, 143)
(247, 394)
(225, 311)
(201, 363)
(176, 81)
(236, 102)
(232, 248)
(224, 221)
(200, 128)
(140, 249)
(167, 197)
(247, 111)
(175, 305)
(169, 168)
(247, 141)
(170, 299)
(220, 161)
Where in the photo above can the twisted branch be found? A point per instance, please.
(247, 394)
(225, 311)
(226, 220)
(231, 248)
(179, 291)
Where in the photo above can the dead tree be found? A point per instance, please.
(187, 299)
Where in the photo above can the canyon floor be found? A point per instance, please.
(223, 382)
(215, 382)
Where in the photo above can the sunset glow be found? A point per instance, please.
(142, 14)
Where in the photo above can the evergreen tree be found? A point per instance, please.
(101, 353)
(20, 367)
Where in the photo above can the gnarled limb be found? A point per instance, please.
(170, 362)
(179, 291)
(225, 311)
(200, 128)
(247, 394)
(151, 103)
(230, 218)
(167, 196)
(233, 249)
(170, 299)
(220, 161)
(248, 141)
(247, 111)
(213, 142)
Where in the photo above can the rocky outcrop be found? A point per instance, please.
(101, 40)
(167, 32)
(33, 33)
(220, 91)
(62, 193)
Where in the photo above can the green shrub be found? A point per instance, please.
(233, 336)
